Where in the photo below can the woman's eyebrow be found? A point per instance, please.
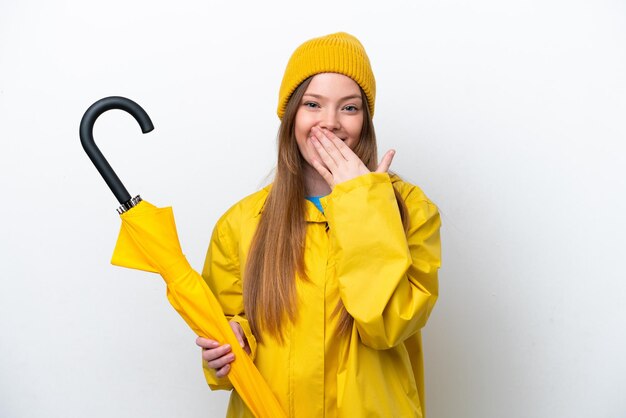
(319, 96)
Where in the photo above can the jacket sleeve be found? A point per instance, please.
(387, 276)
(222, 274)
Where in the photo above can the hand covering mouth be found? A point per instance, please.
(343, 139)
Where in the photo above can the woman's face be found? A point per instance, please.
(332, 101)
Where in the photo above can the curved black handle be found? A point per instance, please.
(92, 150)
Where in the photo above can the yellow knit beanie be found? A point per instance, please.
(336, 53)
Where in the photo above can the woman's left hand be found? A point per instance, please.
(338, 162)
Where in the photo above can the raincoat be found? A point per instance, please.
(386, 277)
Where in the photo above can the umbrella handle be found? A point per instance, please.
(92, 150)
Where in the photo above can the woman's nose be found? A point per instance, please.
(330, 120)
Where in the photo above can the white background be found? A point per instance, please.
(509, 114)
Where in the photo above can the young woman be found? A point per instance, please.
(328, 274)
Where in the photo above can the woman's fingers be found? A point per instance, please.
(336, 143)
(238, 332)
(218, 356)
(385, 163)
(241, 337)
(324, 153)
(223, 371)
(341, 163)
(326, 175)
(221, 360)
(206, 343)
(333, 145)
(216, 353)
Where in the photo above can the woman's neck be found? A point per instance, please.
(314, 183)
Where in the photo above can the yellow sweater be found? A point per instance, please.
(357, 250)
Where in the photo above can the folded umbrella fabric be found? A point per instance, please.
(148, 241)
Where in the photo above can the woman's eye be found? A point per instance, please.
(350, 108)
(311, 105)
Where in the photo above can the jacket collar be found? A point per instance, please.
(312, 214)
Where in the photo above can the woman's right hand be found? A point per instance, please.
(219, 357)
